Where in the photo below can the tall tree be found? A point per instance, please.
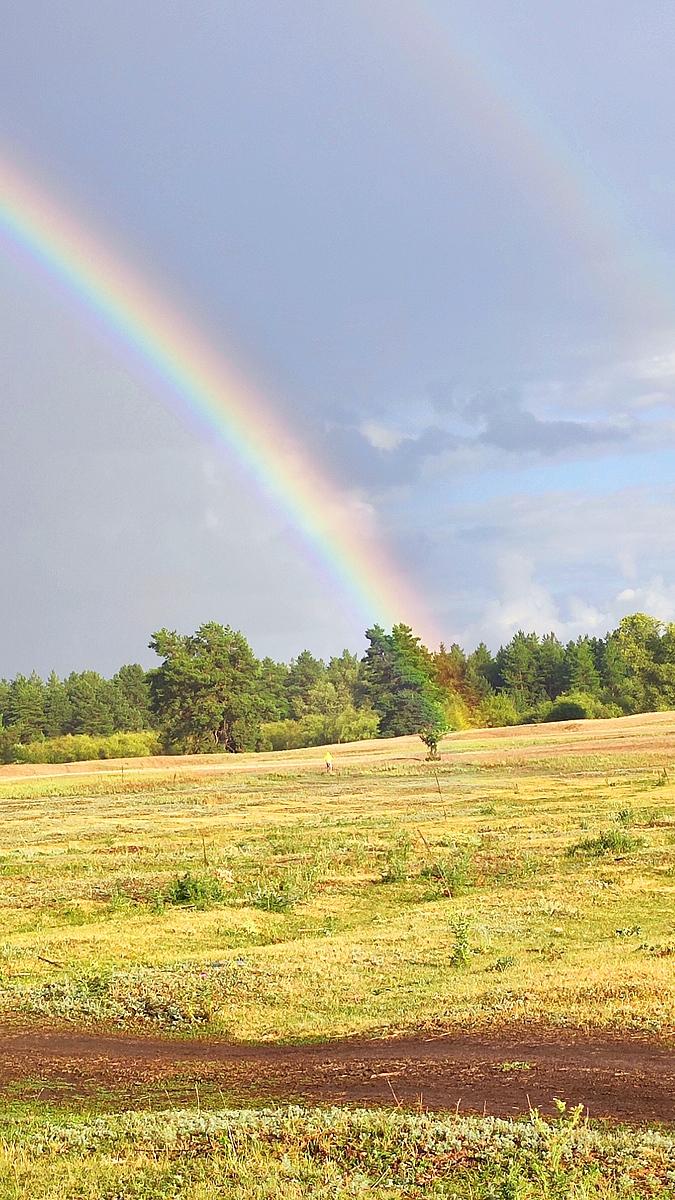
(518, 664)
(550, 666)
(206, 692)
(343, 672)
(26, 708)
(92, 700)
(274, 701)
(132, 704)
(58, 709)
(582, 675)
(304, 673)
(397, 681)
(481, 673)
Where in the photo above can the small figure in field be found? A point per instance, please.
(328, 759)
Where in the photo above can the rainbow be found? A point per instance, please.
(626, 261)
(338, 530)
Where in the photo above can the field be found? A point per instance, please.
(513, 902)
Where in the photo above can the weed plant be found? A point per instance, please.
(194, 891)
(397, 861)
(461, 954)
(611, 841)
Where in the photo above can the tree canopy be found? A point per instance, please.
(211, 693)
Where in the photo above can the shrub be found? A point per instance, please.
(565, 709)
(457, 713)
(83, 747)
(318, 729)
(499, 710)
(578, 706)
(195, 891)
(611, 841)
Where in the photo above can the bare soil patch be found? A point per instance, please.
(631, 1080)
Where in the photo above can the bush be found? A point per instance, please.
(566, 710)
(457, 713)
(83, 747)
(195, 891)
(579, 706)
(318, 729)
(499, 710)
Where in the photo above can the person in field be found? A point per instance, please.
(328, 759)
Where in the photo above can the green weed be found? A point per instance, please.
(460, 952)
(611, 841)
(194, 891)
(398, 857)
(278, 895)
(455, 877)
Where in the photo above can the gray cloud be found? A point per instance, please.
(360, 462)
(519, 431)
(506, 424)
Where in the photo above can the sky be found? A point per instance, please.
(439, 235)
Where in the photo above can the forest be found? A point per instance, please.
(209, 692)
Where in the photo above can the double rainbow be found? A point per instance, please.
(339, 531)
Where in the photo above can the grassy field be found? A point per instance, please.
(330, 1155)
(527, 877)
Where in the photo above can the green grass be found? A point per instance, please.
(291, 1153)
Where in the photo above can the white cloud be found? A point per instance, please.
(571, 563)
(383, 438)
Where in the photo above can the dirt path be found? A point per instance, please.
(626, 1080)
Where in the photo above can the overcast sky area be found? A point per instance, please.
(440, 234)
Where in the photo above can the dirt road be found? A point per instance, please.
(622, 1079)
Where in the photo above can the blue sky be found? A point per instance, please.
(441, 234)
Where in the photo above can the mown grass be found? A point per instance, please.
(288, 904)
(333, 1153)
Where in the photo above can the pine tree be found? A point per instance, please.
(57, 708)
(397, 681)
(206, 692)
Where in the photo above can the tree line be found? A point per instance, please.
(211, 693)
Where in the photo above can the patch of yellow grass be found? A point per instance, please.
(585, 940)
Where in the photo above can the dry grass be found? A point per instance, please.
(345, 900)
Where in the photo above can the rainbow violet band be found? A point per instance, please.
(338, 530)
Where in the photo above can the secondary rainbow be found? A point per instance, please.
(338, 530)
